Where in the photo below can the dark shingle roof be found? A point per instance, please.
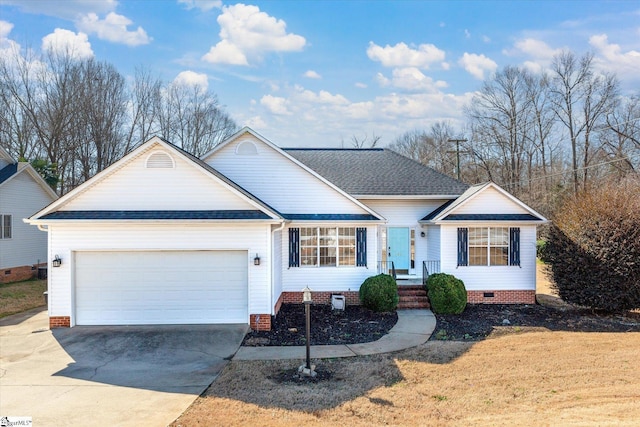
(330, 217)
(376, 171)
(7, 172)
(158, 215)
(437, 210)
(491, 217)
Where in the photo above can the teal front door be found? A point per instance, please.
(398, 248)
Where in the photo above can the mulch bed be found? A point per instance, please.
(479, 321)
(354, 325)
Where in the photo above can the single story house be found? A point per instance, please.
(163, 237)
(22, 192)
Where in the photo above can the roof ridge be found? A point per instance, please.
(329, 149)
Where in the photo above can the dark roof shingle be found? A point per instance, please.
(376, 172)
(159, 215)
(8, 171)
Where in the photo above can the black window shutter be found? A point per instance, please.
(514, 246)
(361, 247)
(463, 246)
(294, 247)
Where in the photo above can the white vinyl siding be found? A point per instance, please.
(279, 181)
(21, 197)
(136, 187)
(490, 201)
(160, 287)
(65, 240)
(492, 277)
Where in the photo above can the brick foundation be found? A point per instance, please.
(501, 297)
(18, 274)
(260, 322)
(59, 322)
(351, 297)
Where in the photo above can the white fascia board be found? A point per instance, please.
(89, 222)
(486, 223)
(406, 197)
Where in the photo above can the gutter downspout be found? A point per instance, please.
(280, 228)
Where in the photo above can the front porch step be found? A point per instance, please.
(412, 297)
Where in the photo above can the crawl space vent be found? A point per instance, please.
(159, 160)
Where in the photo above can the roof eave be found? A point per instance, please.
(406, 196)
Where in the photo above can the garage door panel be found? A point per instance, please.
(178, 287)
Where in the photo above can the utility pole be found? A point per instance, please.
(457, 141)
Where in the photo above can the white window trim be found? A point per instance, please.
(488, 246)
(2, 228)
(336, 247)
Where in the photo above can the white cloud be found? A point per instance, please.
(612, 58)
(64, 41)
(486, 39)
(467, 34)
(402, 55)
(191, 78)
(247, 34)
(411, 79)
(360, 85)
(5, 29)
(113, 28)
(539, 52)
(203, 5)
(275, 104)
(477, 65)
(312, 74)
(329, 119)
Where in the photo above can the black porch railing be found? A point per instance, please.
(429, 268)
(387, 267)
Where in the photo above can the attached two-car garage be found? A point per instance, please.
(161, 287)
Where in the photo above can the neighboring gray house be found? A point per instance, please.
(22, 193)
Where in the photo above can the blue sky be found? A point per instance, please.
(316, 73)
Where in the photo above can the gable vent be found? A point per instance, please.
(159, 160)
(247, 148)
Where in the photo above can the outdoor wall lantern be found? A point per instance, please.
(422, 234)
(56, 262)
(256, 260)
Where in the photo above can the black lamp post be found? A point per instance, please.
(306, 298)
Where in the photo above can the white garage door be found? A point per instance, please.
(168, 287)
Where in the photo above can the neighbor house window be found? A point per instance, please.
(327, 247)
(488, 246)
(5, 227)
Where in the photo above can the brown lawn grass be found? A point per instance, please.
(538, 378)
(21, 296)
(534, 378)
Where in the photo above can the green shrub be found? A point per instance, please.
(594, 247)
(541, 246)
(447, 294)
(379, 293)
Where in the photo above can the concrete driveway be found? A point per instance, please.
(117, 376)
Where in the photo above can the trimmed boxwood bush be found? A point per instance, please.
(447, 294)
(379, 293)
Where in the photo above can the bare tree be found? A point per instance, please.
(581, 99)
(365, 141)
(502, 120)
